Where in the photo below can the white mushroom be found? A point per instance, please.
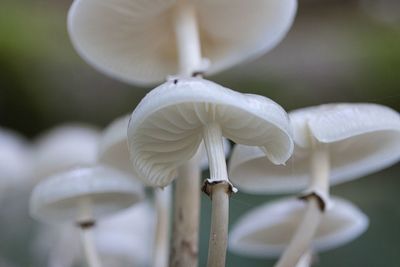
(138, 41)
(123, 239)
(113, 150)
(169, 124)
(65, 147)
(145, 41)
(265, 231)
(82, 196)
(362, 138)
(334, 143)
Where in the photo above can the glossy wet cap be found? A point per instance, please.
(361, 139)
(166, 128)
(265, 231)
(134, 40)
(83, 194)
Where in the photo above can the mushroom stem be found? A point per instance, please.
(187, 38)
(320, 169)
(301, 241)
(218, 241)
(184, 252)
(219, 189)
(161, 248)
(187, 192)
(92, 256)
(317, 200)
(212, 135)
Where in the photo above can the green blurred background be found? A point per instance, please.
(337, 51)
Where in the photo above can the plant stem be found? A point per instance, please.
(185, 236)
(219, 189)
(163, 206)
(316, 202)
(184, 249)
(212, 135)
(187, 37)
(92, 257)
(303, 237)
(218, 241)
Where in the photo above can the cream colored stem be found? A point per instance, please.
(319, 184)
(184, 252)
(163, 206)
(320, 169)
(303, 237)
(217, 244)
(219, 191)
(184, 248)
(92, 257)
(187, 37)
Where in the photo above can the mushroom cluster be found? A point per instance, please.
(139, 180)
(334, 143)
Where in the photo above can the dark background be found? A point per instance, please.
(337, 51)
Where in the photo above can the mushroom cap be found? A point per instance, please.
(15, 159)
(81, 194)
(65, 147)
(113, 147)
(267, 230)
(361, 138)
(166, 128)
(134, 40)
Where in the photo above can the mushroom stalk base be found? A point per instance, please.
(161, 248)
(184, 251)
(304, 235)
(92, 256)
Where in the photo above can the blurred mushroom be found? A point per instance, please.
(264, 232)
(125, 239)
(139, 41)
(113, 151)
(169, 124)
(82, 196)
(65, 147)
